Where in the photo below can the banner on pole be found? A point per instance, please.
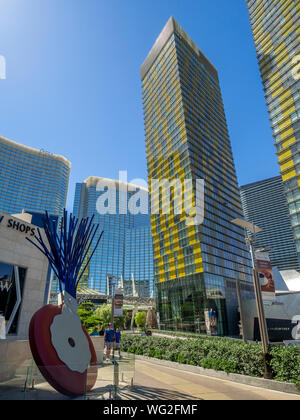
(265, 274)
(119, 298)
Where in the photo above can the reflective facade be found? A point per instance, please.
(265, 205)
(139, 260)
(195, 267)
(276, 30)
(32, 179)
(8, 293)
(125, 250)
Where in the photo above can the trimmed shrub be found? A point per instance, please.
(285, 363)
(223, 354)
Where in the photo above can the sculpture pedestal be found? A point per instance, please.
(98, 342)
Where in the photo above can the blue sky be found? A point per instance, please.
(73, 80)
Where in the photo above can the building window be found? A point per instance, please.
(12, 281)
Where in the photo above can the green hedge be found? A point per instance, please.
(189, 335)
(218, 354)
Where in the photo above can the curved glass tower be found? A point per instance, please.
(195, 267)
(125, 250)
(276, 28)
(32, 179)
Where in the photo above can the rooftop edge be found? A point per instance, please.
(34, 151)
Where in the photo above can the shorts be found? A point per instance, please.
(109, 344)
(117, 346)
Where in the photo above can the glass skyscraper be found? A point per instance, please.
(195, 267)
(276, 30)
(31, 179)
(139, 260)
(125, 250)
(264, 204)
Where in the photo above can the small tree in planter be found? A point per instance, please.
(140, 319)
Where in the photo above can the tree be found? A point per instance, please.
(126, 319)
(85, 310)
(104, 312)
(140, 319)
(89, 318)
(122, 321)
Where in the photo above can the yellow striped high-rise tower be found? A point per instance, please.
(195, 266)
(276, 30)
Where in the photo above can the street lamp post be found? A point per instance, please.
(250, 227)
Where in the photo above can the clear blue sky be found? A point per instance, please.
(73, 81)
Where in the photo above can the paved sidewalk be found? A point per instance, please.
(156, 382)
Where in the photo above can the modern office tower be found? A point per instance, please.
(32, 179)
(138, 268)
(276, 27)
(125, 250)
(265, 205)
(195, 267)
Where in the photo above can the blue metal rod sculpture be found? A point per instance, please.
(68, 250)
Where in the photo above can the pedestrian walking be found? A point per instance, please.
(118, 340)
(109, 338)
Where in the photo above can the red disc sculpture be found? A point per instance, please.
(60, 345)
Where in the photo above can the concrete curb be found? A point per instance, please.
(287, 387)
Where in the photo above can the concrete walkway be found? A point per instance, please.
(153, 381)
